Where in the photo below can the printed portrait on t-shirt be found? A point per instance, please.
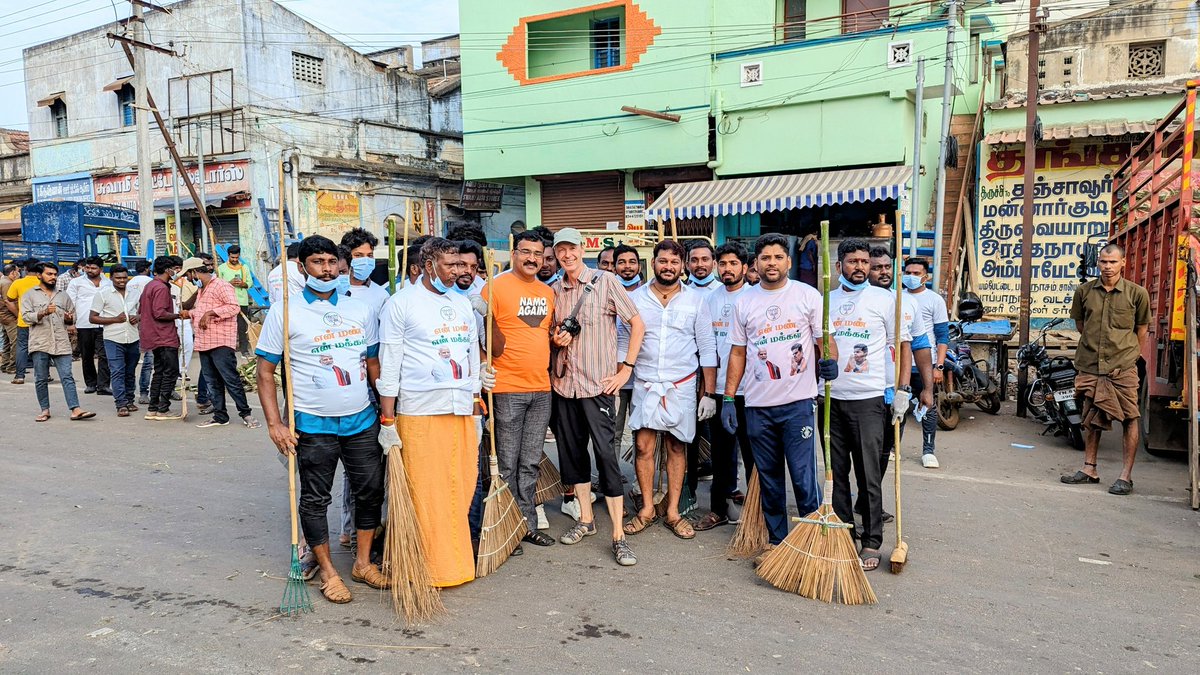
(797, 358)
(858, 360)
(765, 368)
(330, 375)
(447, 368)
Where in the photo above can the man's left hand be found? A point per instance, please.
(487, 377)
(828, 369)
(706, 409)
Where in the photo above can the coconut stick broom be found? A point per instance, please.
(751, 537)
(503, 524)
(404, 563)
(295, 592)
(900, 553)
(818, 559)
(549, 482)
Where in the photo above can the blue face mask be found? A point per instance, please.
(629, 283)
(361, 268)
(712, 276)
(853, 287)
(438, 285)
(911, 281)
(343, 284)
(320, 285)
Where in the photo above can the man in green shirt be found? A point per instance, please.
(239, 276)
(1112, 315)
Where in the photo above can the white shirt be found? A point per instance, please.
(779, 329)
(83, 292)
(371, 293)
(275, 281)
(109, 303)
(678, 338)
(933, 311)
(330, 340)
(438, 341)
(720, 310)
(911, 317)
(864, 325)
(133, 290)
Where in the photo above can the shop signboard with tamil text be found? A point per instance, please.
(220, 178)
(1072, 196)
(337, 213)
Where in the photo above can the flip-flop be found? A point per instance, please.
(42, 417)
(870, 556)
(82, 415)
(639, 524)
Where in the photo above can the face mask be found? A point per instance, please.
(320, 285)
(705, 281)
(362, 268)
(343, 284)
(199, 284)
(438, 285)
(911, 281)
(630, 283)
(853, 287)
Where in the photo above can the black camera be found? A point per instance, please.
(570, 326)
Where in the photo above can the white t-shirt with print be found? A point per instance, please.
(863, 323)
(778, 329)
(374, 295)
(933, 311)
(441, 350)
(915, 321)
(720, 309)
(328, 347)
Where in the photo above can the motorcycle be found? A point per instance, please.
(1051, 396)
(965, 379)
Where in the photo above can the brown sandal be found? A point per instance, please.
(42, 417)
(82, 415)
(681, 528)
(370, 576)
(709, 521)
(335, 591)
(638, 523)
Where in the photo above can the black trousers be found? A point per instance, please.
(724, 457)
(91, 351)
(317, 456)
(856, 440)
(219, 367)
(243, 335)
(576, 421)
(166, 375)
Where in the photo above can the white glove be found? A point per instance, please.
(389, 438)
(487, 377)
(900, 404)
(706, 409)
(479, 304)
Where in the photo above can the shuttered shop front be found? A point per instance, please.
(588, 201)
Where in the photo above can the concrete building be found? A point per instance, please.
(14, 180)
(253, 88)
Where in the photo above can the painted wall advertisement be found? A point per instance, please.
(1072, 197)
(337, 212)
(219, 178)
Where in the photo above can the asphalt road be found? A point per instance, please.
(136, 546)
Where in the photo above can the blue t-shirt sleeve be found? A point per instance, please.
(373, 351)
(941, 332)
(921, 342)
(273, 358)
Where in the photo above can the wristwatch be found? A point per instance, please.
(940, 366)
(627, 364)
(714, 396)
(905, 388)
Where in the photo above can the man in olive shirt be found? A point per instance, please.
(1112, 315)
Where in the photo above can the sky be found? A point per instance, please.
(365, 25)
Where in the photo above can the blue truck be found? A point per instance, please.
(63, 232)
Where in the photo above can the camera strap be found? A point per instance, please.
(587, 290)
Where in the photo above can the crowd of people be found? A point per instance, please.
(698, 345)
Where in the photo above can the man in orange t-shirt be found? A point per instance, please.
(523, 311)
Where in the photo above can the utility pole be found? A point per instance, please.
(203, 205)
(918, 124)
(943, 146)
(1031, 101)
(142, 122)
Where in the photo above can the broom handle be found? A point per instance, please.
(404, 253)
(287, 367)
(827, 498)
(491, 418)
(897, 271)
(671, 208)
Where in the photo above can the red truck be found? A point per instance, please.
(1156, 218)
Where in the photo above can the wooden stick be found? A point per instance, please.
(900, 555)
(671, 207)
(287, 366)
(404, 253)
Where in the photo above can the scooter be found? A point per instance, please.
(965, 379)
(1051, 396)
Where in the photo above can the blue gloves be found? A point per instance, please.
(889, 395)
(828, 369)
(729, 417)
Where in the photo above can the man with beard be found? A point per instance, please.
(732, 260)
(700, 263)
(605, 260)
(585, 374)
(82, 290)
(48, 312)
(773, 317)
(678, 341)
(113, 310)
(628, 266)
(158, 335)
(863, 318)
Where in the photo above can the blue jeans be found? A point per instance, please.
(219, 366)
(122, 370)
(784, 435)
(147, 371)
(22, 353)
(204, 393)
(41, 374)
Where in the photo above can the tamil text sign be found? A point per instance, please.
(219, 178)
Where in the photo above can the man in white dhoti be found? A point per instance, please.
(679, 340)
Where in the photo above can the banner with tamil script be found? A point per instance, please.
(1072, 196)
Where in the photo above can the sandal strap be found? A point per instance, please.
(1089, 464)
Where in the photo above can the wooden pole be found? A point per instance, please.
(404, 253)
(287, 363)
(671, 206)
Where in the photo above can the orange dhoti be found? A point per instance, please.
(441, 458)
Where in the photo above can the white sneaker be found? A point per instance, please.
(929, 461)
(542, 523)
(571, 508)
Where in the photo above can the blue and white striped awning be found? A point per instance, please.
(778, 193)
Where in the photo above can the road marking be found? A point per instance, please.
(1057, 487)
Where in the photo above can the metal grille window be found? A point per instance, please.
(1146, 60)
(794, 15)
(58, 112)
(309, 69)
(125, 101)
(606, 43)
